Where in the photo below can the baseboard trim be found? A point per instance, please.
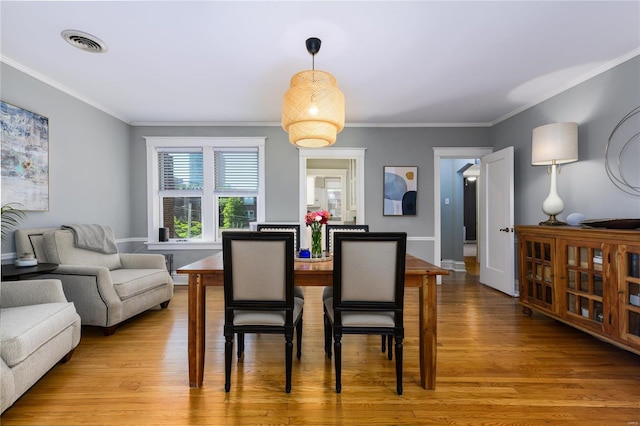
(180, 279)
(453, 265)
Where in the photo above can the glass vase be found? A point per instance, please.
(316, 243)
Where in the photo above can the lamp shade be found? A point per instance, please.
(554, 143)
(313, 109)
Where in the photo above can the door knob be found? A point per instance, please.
(504, 229)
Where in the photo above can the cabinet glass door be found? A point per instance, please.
(584, 289)
(538, 272)
(630, 293)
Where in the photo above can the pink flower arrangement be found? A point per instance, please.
(316, 219)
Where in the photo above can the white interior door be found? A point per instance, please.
(497, 258)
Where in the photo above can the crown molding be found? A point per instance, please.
(102, 108)
(571, 84)
(61, 87)
(278, 124)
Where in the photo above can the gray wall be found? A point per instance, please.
(98, 165)
(385, 147)
(89, 170)
(597, 105)
(281, 178)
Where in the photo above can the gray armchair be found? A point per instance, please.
(38, 329)
(106, 289)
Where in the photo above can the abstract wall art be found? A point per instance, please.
(400, 191)
(25, 158)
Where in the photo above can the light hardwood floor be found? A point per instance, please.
(495, 366)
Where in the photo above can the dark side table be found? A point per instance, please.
(15, 273)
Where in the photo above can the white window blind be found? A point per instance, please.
(180, 170)
(201, 186)
(236, 170)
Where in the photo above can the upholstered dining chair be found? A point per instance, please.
(368, 297)
(331, 229)
(328, 291)
(258, 292)
(284, 227)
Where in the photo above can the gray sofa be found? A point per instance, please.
(38, 329)
(107, 289)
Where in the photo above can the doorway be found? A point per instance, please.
(439, 154)
(351, 186)
(459, 213)
(470, 175)
(327, 190)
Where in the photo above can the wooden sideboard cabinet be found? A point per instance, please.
(586, 277)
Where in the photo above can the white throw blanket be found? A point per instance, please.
(93, 237)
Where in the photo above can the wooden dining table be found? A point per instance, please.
(209, 272)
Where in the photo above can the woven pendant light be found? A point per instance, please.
(313, 108)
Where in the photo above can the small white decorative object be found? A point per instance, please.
(574, 219)
(27, 262)
(26, 259)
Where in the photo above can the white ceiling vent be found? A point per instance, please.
(84, 41)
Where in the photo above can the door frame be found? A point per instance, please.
(356, 154)
(446, 153)
(334, 173)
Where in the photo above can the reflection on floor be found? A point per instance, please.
(471, 266)
(470, 250)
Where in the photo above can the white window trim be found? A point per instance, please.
(153, 205)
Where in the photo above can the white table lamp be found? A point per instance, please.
(551, 145)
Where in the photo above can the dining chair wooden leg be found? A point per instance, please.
(228, 354)
(399, 354)
(387, 342)
(299, 338)
(327, 335)
(289, 360)
(337, 346)
(240, 344)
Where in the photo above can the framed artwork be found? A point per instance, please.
(400, 190)
(25, 158)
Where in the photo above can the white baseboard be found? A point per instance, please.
(180, 279)
(453, 265)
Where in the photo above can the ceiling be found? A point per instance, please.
(398, 63)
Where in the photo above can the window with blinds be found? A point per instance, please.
(236, 170)
(203, 190)
(179, 170)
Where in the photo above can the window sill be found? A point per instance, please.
(183, 245)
